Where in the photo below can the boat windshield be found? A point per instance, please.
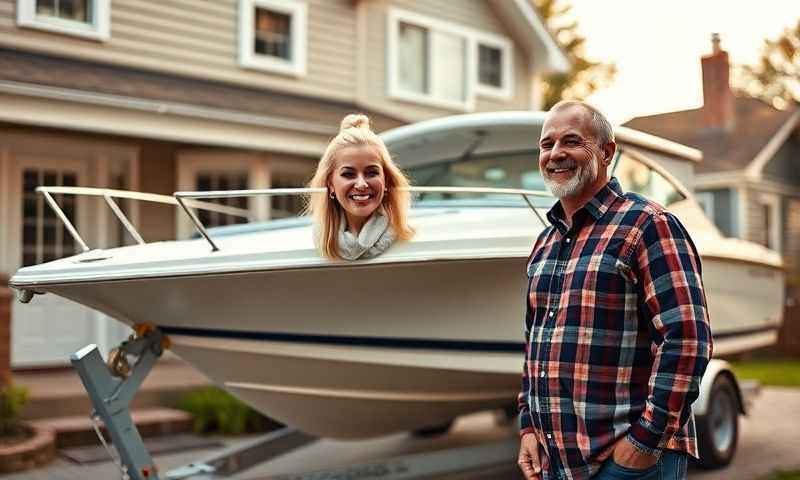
(636, 176)
(519, 170)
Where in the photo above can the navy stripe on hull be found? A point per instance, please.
(351, 341)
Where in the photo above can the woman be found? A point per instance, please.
(366, 207)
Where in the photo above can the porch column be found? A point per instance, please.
(6, 297)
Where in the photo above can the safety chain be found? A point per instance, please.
(123, 468)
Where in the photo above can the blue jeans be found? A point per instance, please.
(670, 466)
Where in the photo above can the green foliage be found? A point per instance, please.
(776, 77)
(216, 411)
(777, 372)
(13, 399)
(784, 475)
(586, 76)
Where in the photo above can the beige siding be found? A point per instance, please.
(474, 14)
(200, 39)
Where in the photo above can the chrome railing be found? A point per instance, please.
(190, 200)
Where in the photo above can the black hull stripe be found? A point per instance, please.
(386, 342)
(392, 342)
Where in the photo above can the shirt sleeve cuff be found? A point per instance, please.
(525, 423)
(644, 440)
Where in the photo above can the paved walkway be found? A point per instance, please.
(769, 440)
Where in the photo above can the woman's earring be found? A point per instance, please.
(332, 195)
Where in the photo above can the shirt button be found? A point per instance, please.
(549, 436)
(568, 240)
(552, 313)
(541, 374)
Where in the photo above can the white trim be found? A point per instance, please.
(98, 29)
(712, 180)
(472, 38)
(74, 110)
(298, 10)
(756, 167)
(506, 89)
(559, 62)
(774, 202)
(743, 211)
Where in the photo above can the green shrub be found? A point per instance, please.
(216, 411)
(13, 399)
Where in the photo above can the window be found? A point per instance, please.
(445, 65)
(208, 181)
(494, 68)
(706, 202)
(282, 206)
(83, 18)
(769, 231)
(44, 235)
(272, 35)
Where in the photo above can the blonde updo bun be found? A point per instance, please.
(355, 120)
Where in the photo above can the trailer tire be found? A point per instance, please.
(718, 429)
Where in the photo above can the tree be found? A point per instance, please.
(776, 77)
(586, 76)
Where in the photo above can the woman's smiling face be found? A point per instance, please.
(359, 183)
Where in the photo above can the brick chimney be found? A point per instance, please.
(718, 101)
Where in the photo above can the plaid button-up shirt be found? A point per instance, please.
(617, 334)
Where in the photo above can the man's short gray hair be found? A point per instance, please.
(601, 127)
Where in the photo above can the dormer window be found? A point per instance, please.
(272, 35)
(82, 18)
(445, 65)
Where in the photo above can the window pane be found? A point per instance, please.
(46, 7)
(490, 66)
(413, 58)
(30, 180)
(449, 65)
(75, 10)
(273, 33)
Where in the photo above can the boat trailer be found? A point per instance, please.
(112, 385)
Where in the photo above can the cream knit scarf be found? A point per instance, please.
(375, 237)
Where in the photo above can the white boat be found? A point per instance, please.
(428, 331)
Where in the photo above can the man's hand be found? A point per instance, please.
(626, 455)
(528, 460)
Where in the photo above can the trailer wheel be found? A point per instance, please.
(718, 429)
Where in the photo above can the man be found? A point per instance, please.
(617, 333)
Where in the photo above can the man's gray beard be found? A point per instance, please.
(582, 178)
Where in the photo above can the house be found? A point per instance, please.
(749, 179)
(218, 94)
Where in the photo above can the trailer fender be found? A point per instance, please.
(715, 368)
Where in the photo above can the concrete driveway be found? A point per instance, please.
(769, 440)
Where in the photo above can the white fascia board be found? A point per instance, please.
(81, 111)
(760, 161)
(521, 16)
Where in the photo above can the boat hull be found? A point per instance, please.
(359, 350)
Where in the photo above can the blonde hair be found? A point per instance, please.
(326, 212)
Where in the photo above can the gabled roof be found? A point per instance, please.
(526, 23)
(723, 151)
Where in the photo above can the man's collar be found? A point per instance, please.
(596, 207)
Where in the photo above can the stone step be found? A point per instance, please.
(78, 430)
(59, 392)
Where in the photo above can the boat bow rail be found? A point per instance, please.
(189, 200)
